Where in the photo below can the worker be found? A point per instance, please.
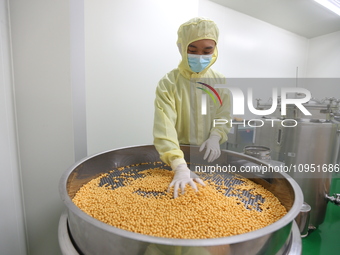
(178, 118)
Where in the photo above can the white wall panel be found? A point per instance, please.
(41, 61)
(324, 66)
(324, 56)
(12, 225)
(252, 48)
(130, 45)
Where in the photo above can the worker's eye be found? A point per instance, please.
(207, 52)
(192, 51)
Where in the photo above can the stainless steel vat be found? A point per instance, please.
(293, 245)
(313, 145)
(94, 237)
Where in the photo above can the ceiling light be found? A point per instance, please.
(333, 5)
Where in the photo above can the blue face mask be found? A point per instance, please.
(198, 63)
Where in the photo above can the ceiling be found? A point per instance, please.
(303, 17)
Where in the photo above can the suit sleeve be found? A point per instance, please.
(164, 131)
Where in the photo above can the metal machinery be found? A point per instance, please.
(309, 147)
(79, 233)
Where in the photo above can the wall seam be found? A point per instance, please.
(16, 128)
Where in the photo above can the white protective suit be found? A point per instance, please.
(178, 115)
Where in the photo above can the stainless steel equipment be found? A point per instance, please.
(312, 145)
(94, 237)
(271, 135)
(323, 109)
(293, 245)
(260, 152)
(302, 220)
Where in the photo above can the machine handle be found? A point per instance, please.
(334, 199)
(279, 136)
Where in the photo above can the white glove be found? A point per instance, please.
(212, 145)
(182, 177)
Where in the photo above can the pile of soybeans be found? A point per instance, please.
(144, 205)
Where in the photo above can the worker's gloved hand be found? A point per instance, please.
(184, 176)
(213, 150)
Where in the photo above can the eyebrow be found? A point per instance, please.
(206, 48)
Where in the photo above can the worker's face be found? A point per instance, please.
(202, 47)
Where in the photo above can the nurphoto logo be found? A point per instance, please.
(239, 103)
(204, 96)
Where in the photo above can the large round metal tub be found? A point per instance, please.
(92, 236)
